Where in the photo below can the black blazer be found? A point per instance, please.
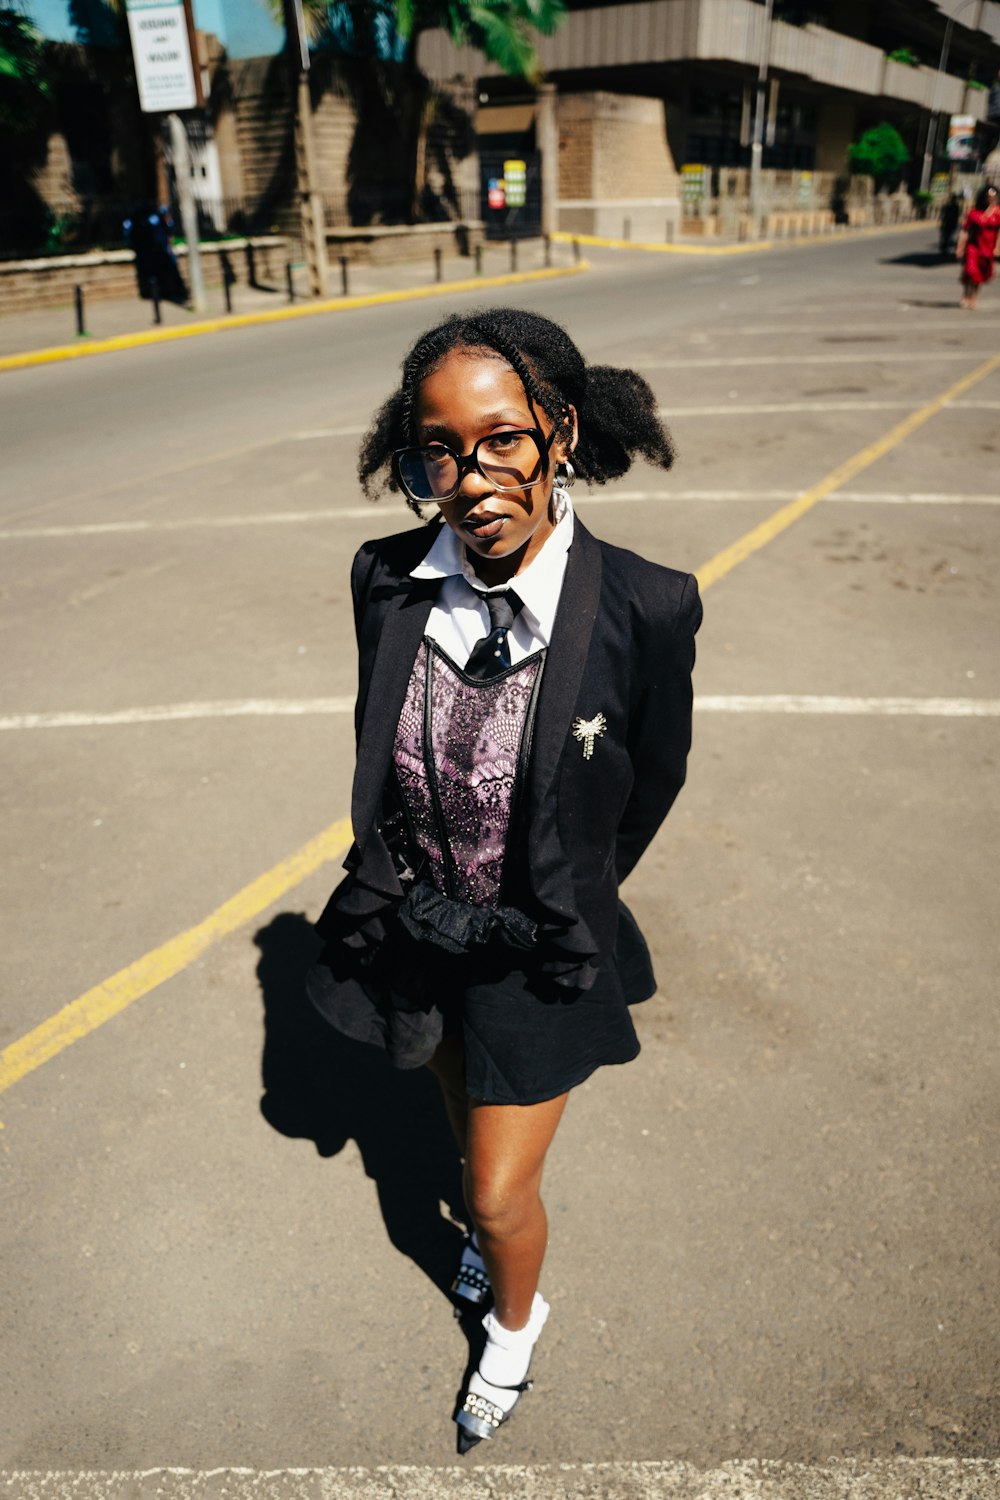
(622, 646)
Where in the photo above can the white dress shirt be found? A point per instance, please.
(459, 617)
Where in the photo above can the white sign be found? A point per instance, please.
(162, 53)
(961, 138)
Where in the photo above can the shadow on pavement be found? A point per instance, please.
(323, 1087)
(917, 258)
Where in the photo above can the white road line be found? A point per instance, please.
(733, 1479)
(818, 407)
(369, 512)
(188, 523)
(807, 703)
(165, 712)
(763, 497)
(774, 703)
(901, 325)
(862, 356)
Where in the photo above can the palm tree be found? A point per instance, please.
(394, 101)
(24, 89)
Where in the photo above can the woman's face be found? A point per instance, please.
(471, 395)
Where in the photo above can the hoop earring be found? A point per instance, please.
(565, 474)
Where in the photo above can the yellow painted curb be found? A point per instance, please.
(748, 247)
(80, 1017)
(278, 315)
(100, 1004)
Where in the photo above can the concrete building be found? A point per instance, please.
(690, 68)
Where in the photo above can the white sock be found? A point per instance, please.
(507, 1355)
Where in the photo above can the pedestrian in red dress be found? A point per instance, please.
(977, 243)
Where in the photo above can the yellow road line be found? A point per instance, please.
(100, 1004)
(105, 1000)
(723, 562)
(745, 247)
(278, 315)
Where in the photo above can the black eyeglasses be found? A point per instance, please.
(507, 460)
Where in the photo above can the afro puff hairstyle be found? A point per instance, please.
(617, 416)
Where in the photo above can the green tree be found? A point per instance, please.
(394, 101)
(880, 153)
(24, 89)
(388, 30)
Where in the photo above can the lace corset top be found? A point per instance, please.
(460, 755)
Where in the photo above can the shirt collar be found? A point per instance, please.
(447, 556)
(537, 586)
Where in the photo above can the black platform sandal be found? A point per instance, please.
(471, 1282)
(479, 1418)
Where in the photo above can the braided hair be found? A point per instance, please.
(617, 415)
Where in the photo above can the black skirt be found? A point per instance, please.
(525, 1038)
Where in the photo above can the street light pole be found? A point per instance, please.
(757, 141)
(930, 144)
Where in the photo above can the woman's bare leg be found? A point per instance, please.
(506, 1147)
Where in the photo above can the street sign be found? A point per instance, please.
(961, 138)
(515, 182)
(162, 51)
(696, 182)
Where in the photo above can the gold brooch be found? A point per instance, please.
(585, 730)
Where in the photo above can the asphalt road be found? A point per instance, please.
(774, 1235)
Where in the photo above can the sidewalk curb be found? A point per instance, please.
(277, 315)
(747, 1479)
(751, 247)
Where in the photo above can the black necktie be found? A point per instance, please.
(491, 655)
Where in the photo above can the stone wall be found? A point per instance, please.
(49, 281)
(616, 173)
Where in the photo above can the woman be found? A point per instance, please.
(523, 722)
(977, 243)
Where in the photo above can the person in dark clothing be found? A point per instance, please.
(523, 724)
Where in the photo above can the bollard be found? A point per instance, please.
(548, 250)
(81, 329)
(343, 275)
(626, 229)
(576, 250)
(513, 255)
(437, 262)
(154, 292)
(479, 260)
(668, 233)
(228, 277)
(288, 279)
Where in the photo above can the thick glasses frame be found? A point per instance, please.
(470, 463)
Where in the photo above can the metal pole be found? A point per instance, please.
(930, 144)
(343, 275)
(189, 211)
(437, 262)
(288, 279)
(311, 204)
(154, 292)
(513, 255)
(81, 330)
(757, 143)
(479, 260)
